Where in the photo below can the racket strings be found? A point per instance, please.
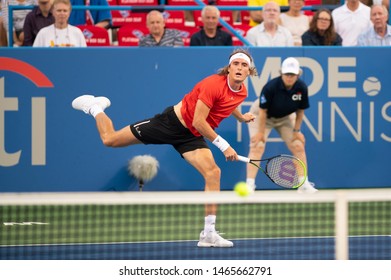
(286, 171)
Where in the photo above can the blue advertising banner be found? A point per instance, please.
(45, 145)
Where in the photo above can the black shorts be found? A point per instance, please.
(165, 128)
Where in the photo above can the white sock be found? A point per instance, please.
(95, 109)
(210, 222)
(250, 182)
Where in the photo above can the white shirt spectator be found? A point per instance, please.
(50, 36)
(350, 24)
(371, 38)
(296, 25)
(258, 36)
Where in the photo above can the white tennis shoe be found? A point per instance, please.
(307, 188)
(85, 102)
(213, 239)
(251, 187)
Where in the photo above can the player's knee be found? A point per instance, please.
(297, 145)
(257, 150)
(213, 173)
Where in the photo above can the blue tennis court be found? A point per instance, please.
(360, 248)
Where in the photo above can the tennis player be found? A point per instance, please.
(281, 106)
(186, 125)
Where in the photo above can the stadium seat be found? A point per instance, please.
(95, 36)
(129, 35)
(138, 2)
(242, 30)
(245, 17)
(174, 19)
(231, 2)
(189, 15)
(312, 3)
(125, 17)
(186, 32)
(184, 2)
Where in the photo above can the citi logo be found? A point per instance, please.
(296, 97)
(38, 112)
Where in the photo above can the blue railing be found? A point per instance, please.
(167, 8)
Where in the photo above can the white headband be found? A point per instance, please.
(241, 55)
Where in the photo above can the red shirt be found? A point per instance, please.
(216, 94)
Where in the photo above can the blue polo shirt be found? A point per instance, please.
(78, 17)
(281, 102)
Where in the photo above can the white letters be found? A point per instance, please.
(38, 129)
(6, 104)
(335, 77)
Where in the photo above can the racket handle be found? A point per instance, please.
(244, 159)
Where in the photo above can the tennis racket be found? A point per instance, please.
(284, 170)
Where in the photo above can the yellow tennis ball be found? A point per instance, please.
(242, 189)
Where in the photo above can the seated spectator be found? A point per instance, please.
(3, 34)
(40, 17)
(380, 33)
(211, 34)
(101, 18)
(321, 31)
(159, 35)
(295, 20)
(18, 19)
(60, 34)
(256, 17)
(269, 33)
(350, 20)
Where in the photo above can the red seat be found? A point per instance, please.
(129, 35)
(174, 19)
(95, 36)
(311, 3)
(186, 33)
(242, 30)
(138, 2)
(231, 2)
(184, 2)
(245, 17)
(125, 17)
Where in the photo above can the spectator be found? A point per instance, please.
(351, 19)
(269, 33)
(256, 17)
(380, 33)
(101, 18)
(3, 34)
(321, 31)
(18, 19)
(160, 36)
(211, 34)
(60, 34)
(295, 20)
(40, 17)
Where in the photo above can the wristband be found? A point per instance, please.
(296, 130)
(221, 143)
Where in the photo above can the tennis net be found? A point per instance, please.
(269, 225)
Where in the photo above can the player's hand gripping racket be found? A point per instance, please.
(284, 170)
